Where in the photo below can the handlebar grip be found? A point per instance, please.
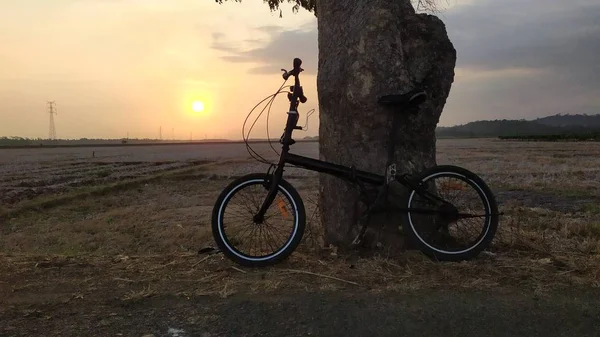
(295, 71)
(297, 64)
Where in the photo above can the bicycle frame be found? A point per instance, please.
(336, 170)
(311, 164)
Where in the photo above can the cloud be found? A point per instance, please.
(254, 41)
(516, 59)
(277, 51)
(218, 43)
(533, 34)
(269, 29)
(519, 59)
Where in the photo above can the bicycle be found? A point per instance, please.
(292, 208)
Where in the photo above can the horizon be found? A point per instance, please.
(275, 138)
(130, 66)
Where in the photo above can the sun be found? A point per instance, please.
(198, 106)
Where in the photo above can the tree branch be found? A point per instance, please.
(311, 5)
(430, 6)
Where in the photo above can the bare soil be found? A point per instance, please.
(120, 257)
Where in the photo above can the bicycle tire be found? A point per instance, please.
(225, 244)
(489, 202)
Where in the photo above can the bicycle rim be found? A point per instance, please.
(434, 221)
(280, 205)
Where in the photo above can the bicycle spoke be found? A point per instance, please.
(258, 239)
(449, 228)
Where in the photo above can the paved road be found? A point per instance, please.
(435, 313)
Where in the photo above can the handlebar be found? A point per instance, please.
(295, 71)
(297, 92)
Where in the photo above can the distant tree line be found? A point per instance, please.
(40, 142)
(18, 141)
(594, 136)
(557, 127)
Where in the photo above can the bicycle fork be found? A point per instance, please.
(286, 140)
(273, 181)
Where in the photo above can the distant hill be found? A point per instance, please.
(590, 121)
(551, 125)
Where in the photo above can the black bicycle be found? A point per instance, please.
(265, 198)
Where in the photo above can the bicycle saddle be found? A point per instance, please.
(412, 98)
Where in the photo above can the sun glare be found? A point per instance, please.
(198, 106)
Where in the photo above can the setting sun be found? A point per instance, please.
(198, 106)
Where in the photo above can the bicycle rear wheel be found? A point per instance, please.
(451, 234)
(238, 236)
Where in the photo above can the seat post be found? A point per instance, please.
(392, 145)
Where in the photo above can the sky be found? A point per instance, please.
(119, 68)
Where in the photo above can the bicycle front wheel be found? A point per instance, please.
(454, 216)
(257, 244)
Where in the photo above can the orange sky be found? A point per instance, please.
(131, 66)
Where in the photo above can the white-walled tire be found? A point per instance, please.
(488, 214)
(292, 210)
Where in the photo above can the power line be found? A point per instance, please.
(52, 127)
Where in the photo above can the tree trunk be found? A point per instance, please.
(368, 49)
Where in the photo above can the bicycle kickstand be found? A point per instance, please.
(359, 237)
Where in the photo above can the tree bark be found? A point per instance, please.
(368, 49)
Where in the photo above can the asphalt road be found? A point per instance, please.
(432, 313)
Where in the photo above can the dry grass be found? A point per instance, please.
(570, 169)
(140, 239)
